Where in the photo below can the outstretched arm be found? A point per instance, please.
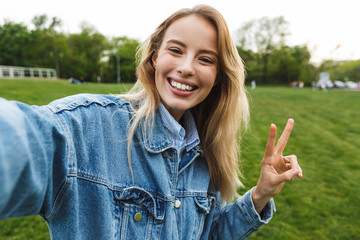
(31, 153)
(276, 169)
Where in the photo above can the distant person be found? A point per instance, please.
(74, 80)
(158, 163)
(253, 84)
(293, 84)
(313, 85)
(301, 84)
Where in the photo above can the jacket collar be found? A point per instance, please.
(157, 139)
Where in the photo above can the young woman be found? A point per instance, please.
(157, 163)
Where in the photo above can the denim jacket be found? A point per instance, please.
(67, 162)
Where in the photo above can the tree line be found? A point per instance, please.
(87, 55)
(91, 56)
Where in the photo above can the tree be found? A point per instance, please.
(252, 66)
(121, 49)
(262, 36)
(78, 55)
(85, 50)
(39, 21)
(342, 70)
(14, 40)
(289, 64)
(44, 50)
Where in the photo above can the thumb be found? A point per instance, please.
(288, 175)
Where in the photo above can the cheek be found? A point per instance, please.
(164, 63)
(159, 83)
(210, 78)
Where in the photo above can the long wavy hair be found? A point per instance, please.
(220, 118)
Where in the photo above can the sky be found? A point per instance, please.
(329, 28)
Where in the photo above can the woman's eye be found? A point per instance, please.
(207, 60)
(175, 50)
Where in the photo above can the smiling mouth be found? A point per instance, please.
(181, 86)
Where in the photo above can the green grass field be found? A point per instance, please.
(326, 139)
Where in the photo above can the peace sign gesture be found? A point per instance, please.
(276, 169)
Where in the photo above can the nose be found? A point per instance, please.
(186, 67)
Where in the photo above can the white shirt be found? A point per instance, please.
(184, 138)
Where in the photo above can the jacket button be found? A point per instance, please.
(138, 217)
(177, 203)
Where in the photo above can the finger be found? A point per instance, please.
(281, 144)
(293, 163)
(270, 145)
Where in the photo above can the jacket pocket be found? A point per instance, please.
(204, 204)
(138, 214)
(203, 208)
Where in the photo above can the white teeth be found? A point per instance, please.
(180, 86)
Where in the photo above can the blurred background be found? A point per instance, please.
(280, 41)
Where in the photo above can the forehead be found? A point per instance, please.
(193, 29)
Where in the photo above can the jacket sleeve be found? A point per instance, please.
(32, 159)
(237, 220)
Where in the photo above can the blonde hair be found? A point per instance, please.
(219, 117)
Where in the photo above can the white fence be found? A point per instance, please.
(26, 72)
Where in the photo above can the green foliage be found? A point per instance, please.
(89, 55)
(124, 49)
(326, 139)
(342, 70)
(268, 59)
(291, 64)
(87, 48)
(262, 36)
(284, 65)
(14, 40)
(39, 21)
(72, 55)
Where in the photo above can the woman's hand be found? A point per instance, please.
(276, 169)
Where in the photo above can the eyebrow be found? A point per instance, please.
(184, 45)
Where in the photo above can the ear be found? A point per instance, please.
(154, 59)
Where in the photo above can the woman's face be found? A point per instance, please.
(186, 64)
